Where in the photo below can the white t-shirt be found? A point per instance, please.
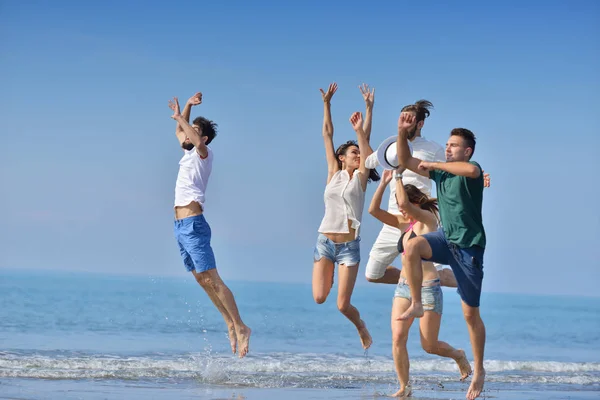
(344, 200)
(192, 178)
(423, 149)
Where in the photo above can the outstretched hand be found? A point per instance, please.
(356, 119)
(387, 176)
(195, 99)
(174, 105)
(406, 121)
(329, 94)
(368, 94)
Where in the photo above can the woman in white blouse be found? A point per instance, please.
(339, 240)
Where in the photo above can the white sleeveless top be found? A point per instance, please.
(344, 200)
(192, 178)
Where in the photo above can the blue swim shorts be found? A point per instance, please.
(466, 263)
(432, 296)
(347, 253)
(193, 237)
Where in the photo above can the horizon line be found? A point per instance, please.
(159, 275)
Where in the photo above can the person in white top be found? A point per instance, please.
(339, 241)
(191, 229)
(384, 251)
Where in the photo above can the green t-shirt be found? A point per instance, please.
(460, 200)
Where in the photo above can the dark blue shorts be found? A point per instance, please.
(467, 265)
(193, 237)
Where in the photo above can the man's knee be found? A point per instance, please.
(372, 280)
(415, 246)
(206, 279)
(447, 277)
(471, 314)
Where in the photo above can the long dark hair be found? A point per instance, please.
(341, 151)
(425, 202)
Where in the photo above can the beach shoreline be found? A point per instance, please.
(30, 389)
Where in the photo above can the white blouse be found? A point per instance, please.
(344, 200)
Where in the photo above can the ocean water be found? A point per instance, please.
(77, 335)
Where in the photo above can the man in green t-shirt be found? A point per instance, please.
(461, 241)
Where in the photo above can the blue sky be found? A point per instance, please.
(89, 156)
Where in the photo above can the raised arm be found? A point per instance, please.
(187, 109)
(375, 206)
(368, 95)
(356, 120)
(189, 131)
(192, 101)
(406, 123)
(416, 212)
(332, 162)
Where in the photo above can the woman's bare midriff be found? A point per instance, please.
(342, 237)
(429, 271)
(191, 210)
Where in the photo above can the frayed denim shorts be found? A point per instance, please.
(347, 253)
(432, 296)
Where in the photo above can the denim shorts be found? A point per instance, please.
(466, 263)
(193, 237)
(432, 296)
(347, 253)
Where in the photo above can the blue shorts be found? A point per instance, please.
(193, 237)
(432, 296)
(467, 265)
(347, 253)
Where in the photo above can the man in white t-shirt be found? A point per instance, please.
(385, 248)
(192, 231)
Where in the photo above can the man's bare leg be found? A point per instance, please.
(477, 336)
(213, 297)
(347, 279)
(447, 278)
(391, 276)
(416, 249)
(212, 280)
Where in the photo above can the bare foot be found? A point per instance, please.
(244, 339)
(232, 338)
(463, 365)
(414, 311)
(476, 385)
(365, 336)
(403, 393)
